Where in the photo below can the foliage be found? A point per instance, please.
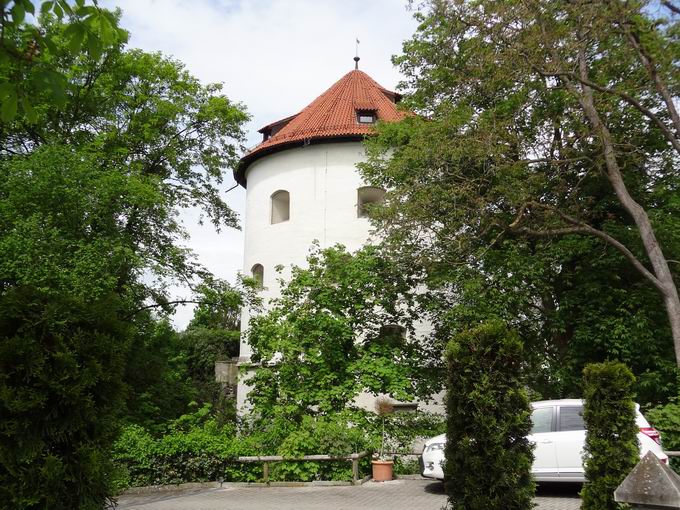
(481, 183)
(488, 455)
(201, 452)
(89, 239)
(195, 447)
(159, 384)
(336, 331)
(61, 361)
(404, 429)
(326, 435)
(26, 51)
(213, 335)
(611, 448)
(666, 419)
(167, 370)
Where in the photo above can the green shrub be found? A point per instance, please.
(666, 419)
(611, 448)
(196, 447)
(321, 435)
(403, 429)
(61, 389)
(406, 465)
(488, 455)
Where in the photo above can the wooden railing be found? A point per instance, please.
(267, 459)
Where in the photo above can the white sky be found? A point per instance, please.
(275, 57)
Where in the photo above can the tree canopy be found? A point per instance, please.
(90, 238)
(535, 185)
(344, 325)
(26, 51)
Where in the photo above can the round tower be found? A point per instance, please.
(302, 184)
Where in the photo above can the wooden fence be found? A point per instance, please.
(267, 459)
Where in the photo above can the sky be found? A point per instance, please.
(274, 57)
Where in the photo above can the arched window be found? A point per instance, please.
(392, 334)
(280, 206)
(258, 274)
(366, 197)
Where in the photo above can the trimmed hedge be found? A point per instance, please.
(488, 455)
(611, 448)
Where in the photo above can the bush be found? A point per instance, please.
(326, 436)
(488, 455)
(197, 449)
(611, 448)
(666, 419)
(404, 429)
(61, 389)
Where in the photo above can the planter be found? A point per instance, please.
(382, 470)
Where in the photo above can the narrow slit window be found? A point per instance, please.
(257, 272)
(366, 198)
(280, 207)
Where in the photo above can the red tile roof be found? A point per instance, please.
(332, 115)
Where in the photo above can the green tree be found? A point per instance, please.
(157, 375)
(488, 455)
(26, 51)
(89, 239)
(505, 191)
(342, 326)
(213, 335)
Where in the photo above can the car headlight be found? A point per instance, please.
(435, 447)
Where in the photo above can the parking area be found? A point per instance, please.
(395, 495)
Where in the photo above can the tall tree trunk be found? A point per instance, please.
(673, 309)
(651, 245)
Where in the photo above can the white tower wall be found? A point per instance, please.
(322, 180)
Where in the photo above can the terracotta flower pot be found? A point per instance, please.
(382, 470)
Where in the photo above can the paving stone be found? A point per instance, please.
(394, 495)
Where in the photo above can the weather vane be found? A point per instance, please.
(356, 54)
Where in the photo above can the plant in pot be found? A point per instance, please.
(383, 465)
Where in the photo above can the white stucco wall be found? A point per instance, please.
(322, 180)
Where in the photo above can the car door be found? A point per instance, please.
(543, 436)
(570, 440)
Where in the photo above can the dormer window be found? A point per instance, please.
(366, 116)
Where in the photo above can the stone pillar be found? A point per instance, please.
(226, 372)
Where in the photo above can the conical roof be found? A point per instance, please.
(332, 115)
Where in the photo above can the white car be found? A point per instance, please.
(559, 435)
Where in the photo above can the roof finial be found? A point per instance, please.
(356, 55)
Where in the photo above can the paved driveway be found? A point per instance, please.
(395, 495)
